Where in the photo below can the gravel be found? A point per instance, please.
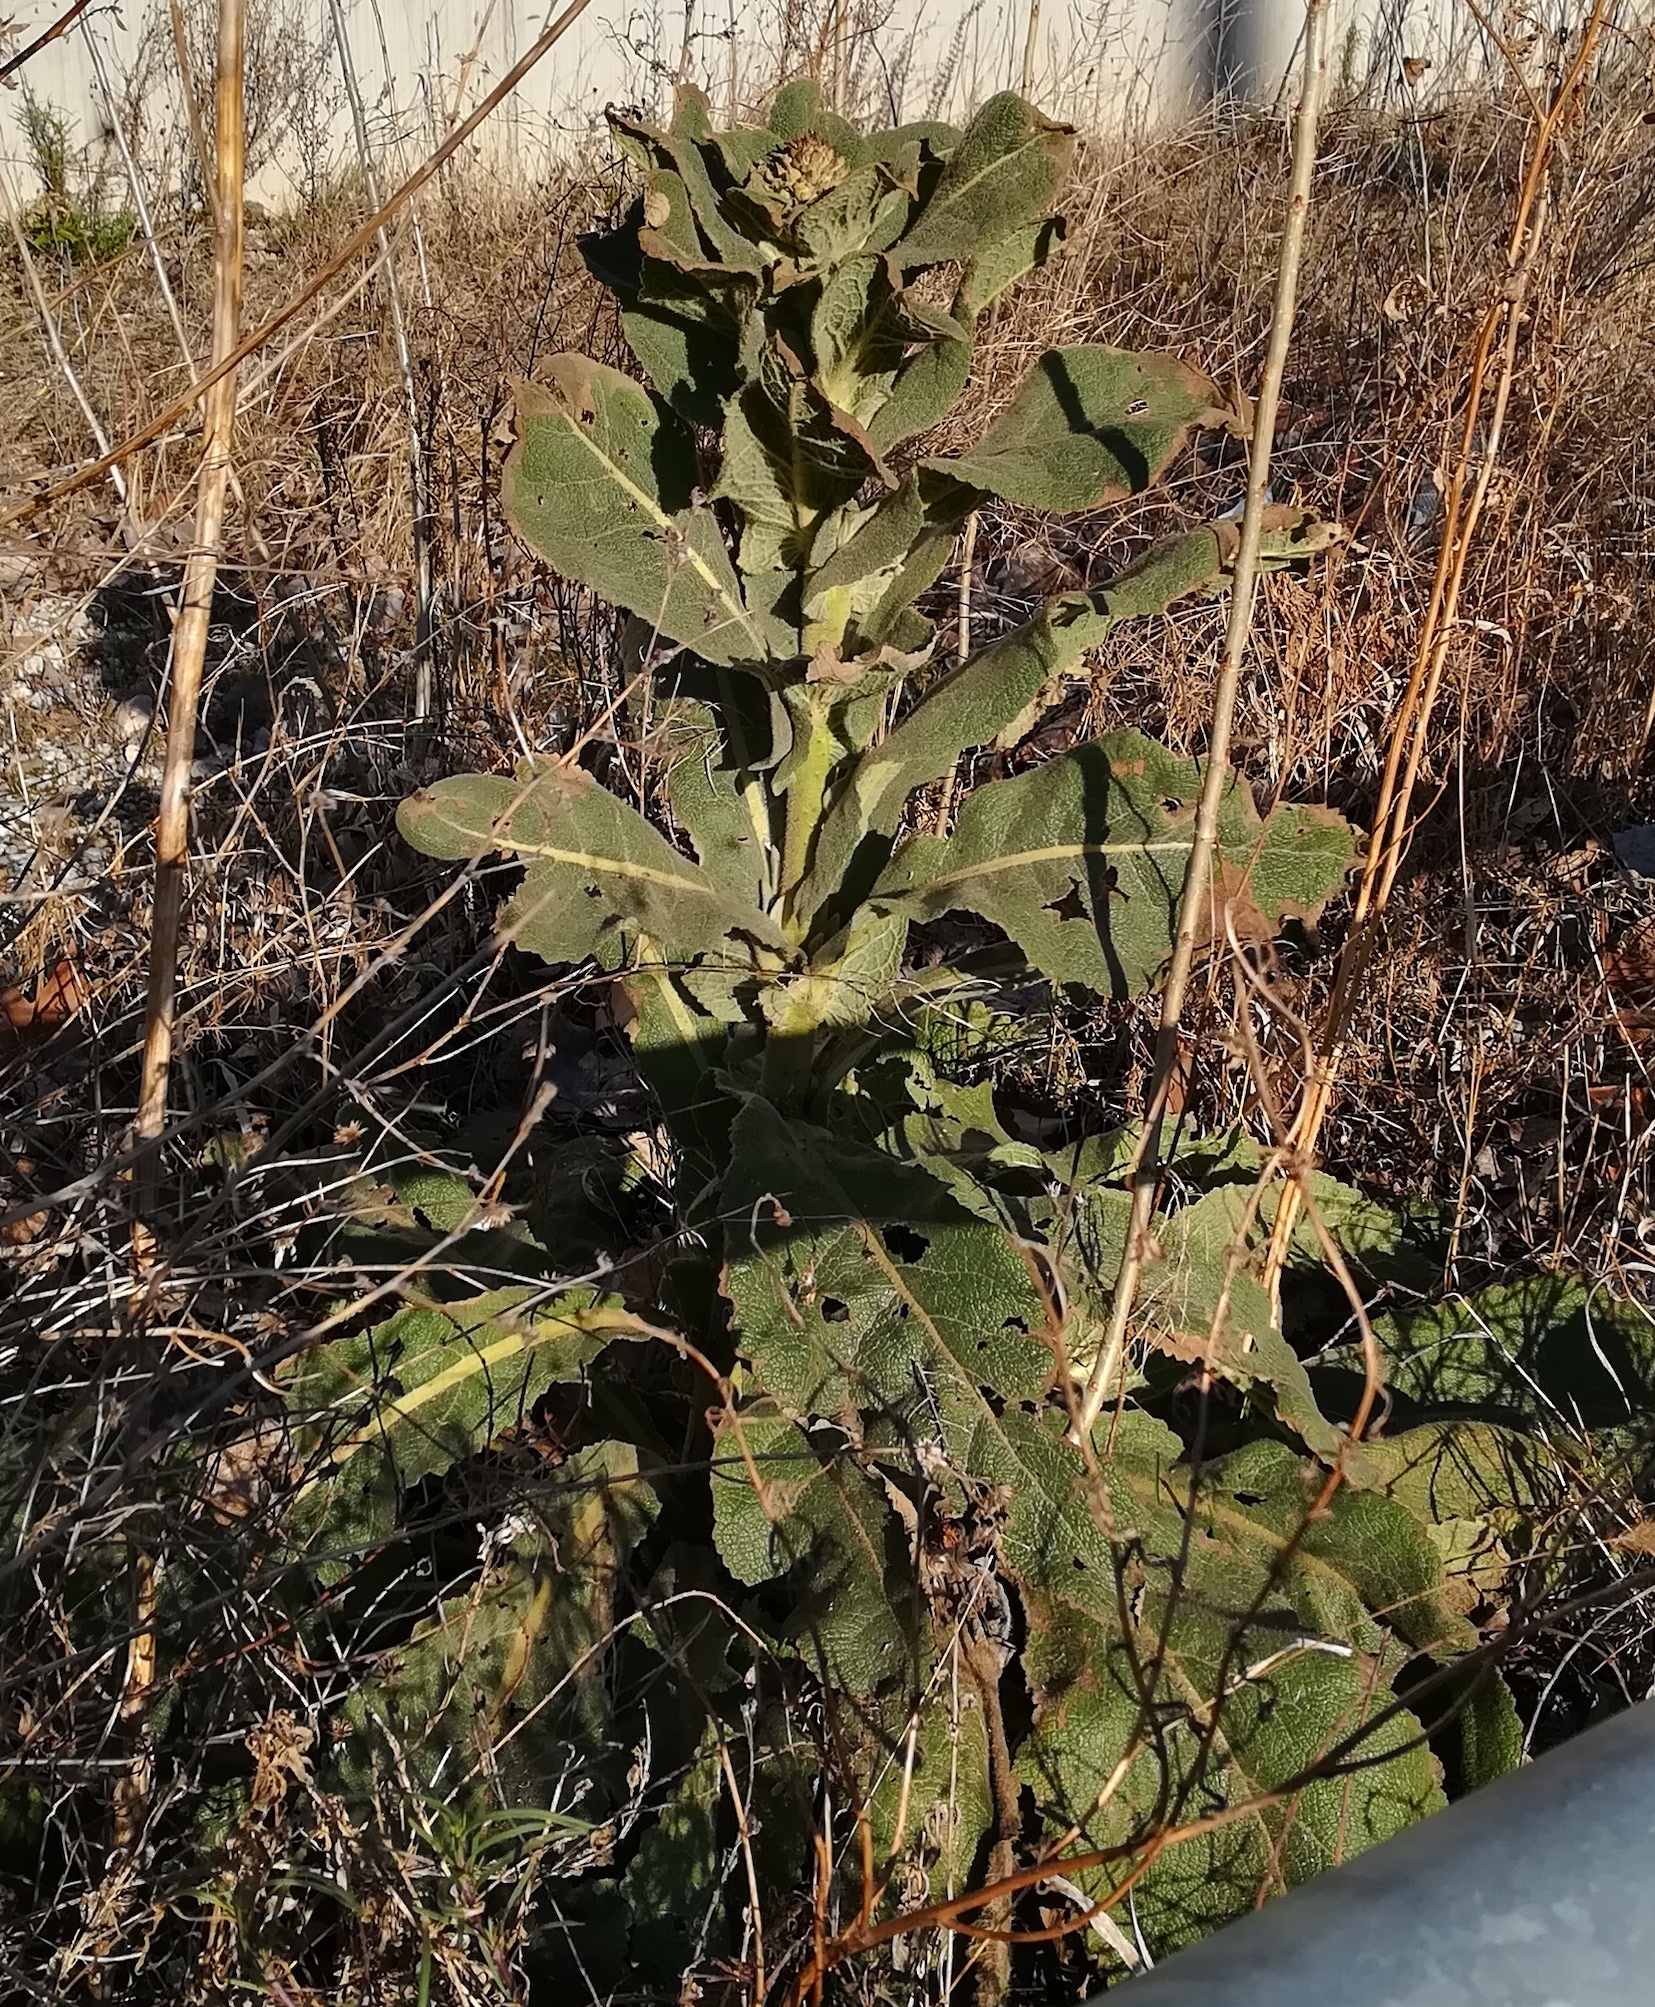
(77, 768)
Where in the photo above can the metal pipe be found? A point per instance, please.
(1533, 1892)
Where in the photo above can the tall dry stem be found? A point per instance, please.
(1194, 902)
(189, 641)
(1478, 446)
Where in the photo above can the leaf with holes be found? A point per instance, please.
(1082, 862)
(601, 482)
(860, 1296)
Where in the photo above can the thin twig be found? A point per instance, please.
(418, 476)
(54, 336)
(968, 554)
(189, 645)
(59, 27)
(140, 201)
(1193, 905)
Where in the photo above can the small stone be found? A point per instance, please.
(133, 717)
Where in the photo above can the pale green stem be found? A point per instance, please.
(806, 800)
(788, 1054)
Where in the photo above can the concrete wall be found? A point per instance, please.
(1099, 61)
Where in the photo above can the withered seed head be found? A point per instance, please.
(802, 170)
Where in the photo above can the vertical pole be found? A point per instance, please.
(189, 638)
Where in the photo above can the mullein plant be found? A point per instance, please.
(803, 301)
(877, 1567)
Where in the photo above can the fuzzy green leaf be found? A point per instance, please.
(601, 482)
(500, 1699)
(1001, 680)
(436, 1382)
(856, 1289)
(1547, 1349)
(928, 386)
(674, 1880)
(713, 789)
(689, 342)
(1003, 174)
(596, 867)
(822, 1520)
(999, 266)
(1082, 862)
(793, 110)
(1088, 426)
(880, 541)
(857, 1619)
(837, 225)
(1203, 1300)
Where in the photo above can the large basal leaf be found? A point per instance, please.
(1549, 1350)
(375, 1414)
(817, 1517)
(675, 1881)
(1088, 426)
(500, 1700)
(1203, 1299)
(859, 1621)
(601, 482)
(395, 1218)
(1003, 174)
(1082, 862)
(864, 1297)
(596, 867)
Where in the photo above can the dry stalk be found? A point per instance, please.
(1410, 731)
(968, 557)
(189, 642)
(1193, 903)
(1031, 39)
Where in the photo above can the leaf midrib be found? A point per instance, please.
(1047, 854)
(739, 614)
